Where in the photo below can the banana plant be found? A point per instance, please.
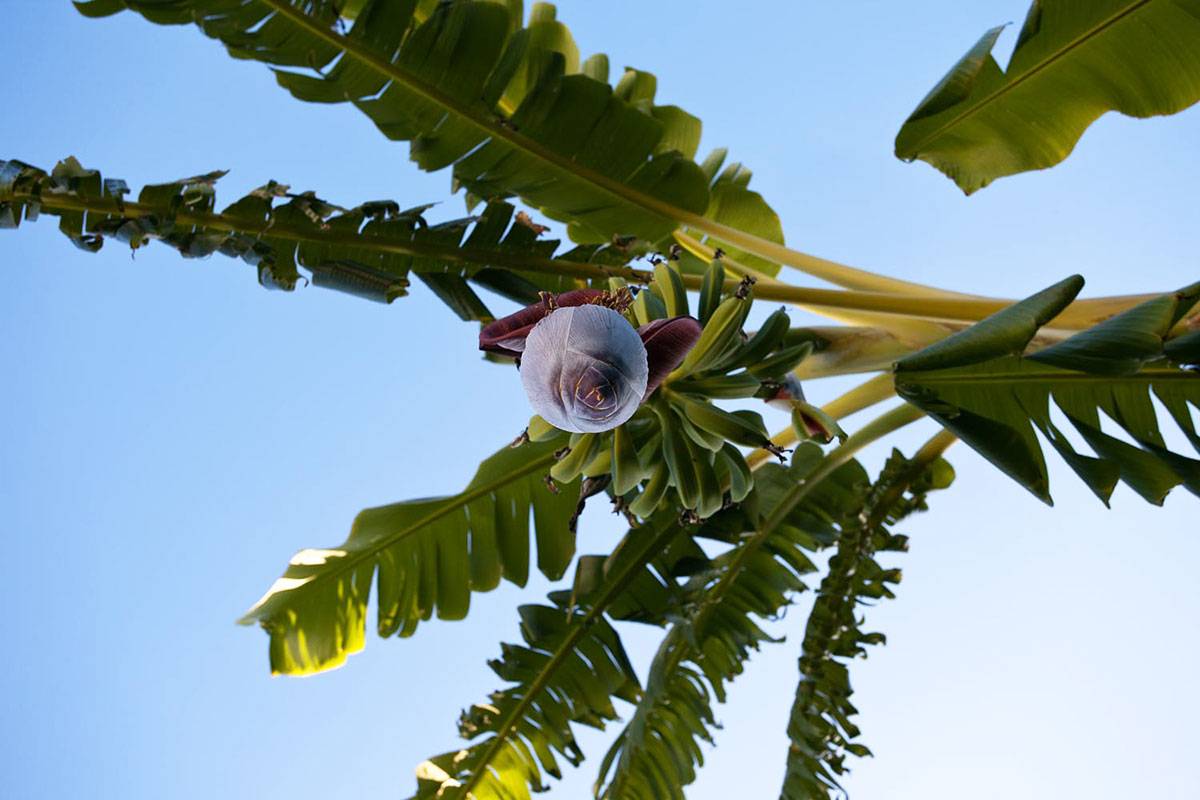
(645, 379)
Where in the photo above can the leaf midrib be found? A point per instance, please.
(1013, 83)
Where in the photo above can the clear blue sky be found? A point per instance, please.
(170, 433)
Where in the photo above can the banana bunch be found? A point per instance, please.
(680, 447)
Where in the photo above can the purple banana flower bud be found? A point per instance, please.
(584, 368)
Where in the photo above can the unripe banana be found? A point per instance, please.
(670, 287)
(541, 431)
(649, 452)
(601, 463)
(722, 387)
(700, 436)
(679, 458)
(569, 467)
(656, 488)
(741, 479)
(710, 290)
(782, 362)
(647, 307)
(721, 333)
(740, 428)
(765, 341)
(711, 497)
(627, 471)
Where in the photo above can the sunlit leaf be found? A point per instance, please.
(424, 556)
(1074, 61)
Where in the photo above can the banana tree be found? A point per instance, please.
(632, 346)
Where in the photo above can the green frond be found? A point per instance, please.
(369, 250)
(572, 665)
(576, 684)
(567, 673)
(1074, 61)
(978, 385)
(509, 108)
(820, 729)
(717, 623)
(425, 556)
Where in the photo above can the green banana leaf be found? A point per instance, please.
(1075, 60)
(368, 251)
(424, 556)
(819, 727)
(575, 683)
(657, 753)
(509, 108)
(568, 671)
(655, 575)
(978, 385)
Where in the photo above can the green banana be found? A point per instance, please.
(647, 502)
(647, 307)
(741, 479)
(670, 286)
(722, 332)
(700, 436)
(722, 387)
(649, 452)
(710, 497)
(765, 341)
(740, 428)
(541, 431)
(679, 459)
(627, 471)
(601, 462)
(710, 290)
(781, 363)
(571, 465)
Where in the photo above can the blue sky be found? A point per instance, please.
(170, 433)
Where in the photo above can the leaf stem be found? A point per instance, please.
(910, 328)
